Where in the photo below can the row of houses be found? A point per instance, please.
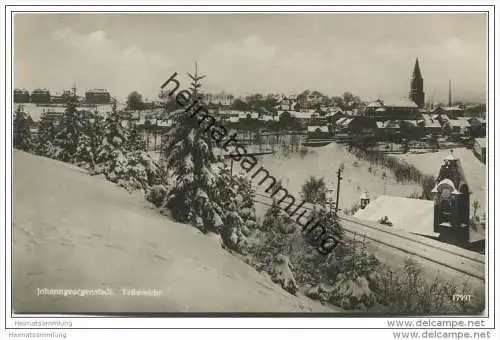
(43, 96)
(427, 124)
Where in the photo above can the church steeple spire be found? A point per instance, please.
(417, 86)
(416, 70)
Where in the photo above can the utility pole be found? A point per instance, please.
(339, 178)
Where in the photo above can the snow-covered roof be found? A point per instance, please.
(165, 123)
(317, 128)
(244, 115)
(451, 108)
(481, 142)
(54, 109)
(303, 115)
(461, 122)
(333, 113)
(347, 121)
(268, 118)
(448, 182)
(374, 104)
(452, 169)
(341, 120)
(403, 103)
(412, 215)
(228, 112)
(430, 121)
(389, 124)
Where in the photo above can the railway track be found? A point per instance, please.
(448, 256)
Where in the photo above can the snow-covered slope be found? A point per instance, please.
(324, 162)
(74, 231)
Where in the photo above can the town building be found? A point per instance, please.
(452, 201)
(61, 98)
(21, 96)
(97, 96)
(40, 96)
(400, 109)
(477, 127)
(451, 111)
(409, 214)
(432, 125)
(222, 99)
(318, 132)
(459, 127)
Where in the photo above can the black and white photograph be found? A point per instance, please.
(307, 164)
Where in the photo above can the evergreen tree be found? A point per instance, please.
(22, 138)
(328, 223)
(276, 220)
(69, 133)
(47, 130)
(122, 158)
(90, 141)
(235, 195)
(142, 170)
(112, 155)
(136, 141)
(245, 198)
(190, 155)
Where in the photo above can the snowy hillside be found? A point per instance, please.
(71, 230)
(324, 162)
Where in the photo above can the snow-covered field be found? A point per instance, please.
(74, 231)
(324, 162)
(475, 171)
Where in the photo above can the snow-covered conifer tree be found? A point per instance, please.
(194, 166)
(90, 141)
(112, 155)
(69, 133)
(22, 138)
(136, 141)
(122, 158)
(47, 130)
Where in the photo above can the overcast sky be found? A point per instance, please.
(370, 55)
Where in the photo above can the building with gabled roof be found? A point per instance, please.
(457, 127)
(392, 109)
(452, 200)
(408, 214)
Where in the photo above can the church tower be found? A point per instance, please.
(417, 86)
